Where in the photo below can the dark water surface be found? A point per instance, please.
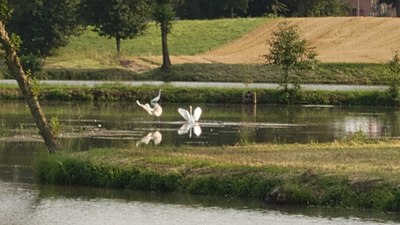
(89, 125)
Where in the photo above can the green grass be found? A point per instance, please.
(187, 38)
(346, 174)
(118, 92)
(325, 73)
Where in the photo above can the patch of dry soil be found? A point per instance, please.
(335, 39)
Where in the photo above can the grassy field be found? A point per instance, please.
(91, 57)
(187, 38)
(347, 174)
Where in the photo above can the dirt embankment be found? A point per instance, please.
(336, 39)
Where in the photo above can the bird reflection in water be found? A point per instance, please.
(156, 136)
(188, 127)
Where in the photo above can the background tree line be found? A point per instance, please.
(211, 9)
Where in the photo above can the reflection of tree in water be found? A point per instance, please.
(246, 135)
(391, 122)
(17, 160)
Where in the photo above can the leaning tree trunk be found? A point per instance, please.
(17, 71)
(164, 42)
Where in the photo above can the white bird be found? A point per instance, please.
(157, 98)
(188, 116)
(191, 119)
(156, 136)
(156, 110)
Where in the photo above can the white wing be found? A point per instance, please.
(184, 129)
(197, 113)
(157, 98)
(184, 113)
(197, 130)
(157, 110)
(145, 107)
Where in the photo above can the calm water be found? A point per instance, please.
(88, 125)
(22, 201)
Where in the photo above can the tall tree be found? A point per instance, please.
(393, 67)
(119, 19)
(396, 3)
(15, 68)
(43, 25)
(290, 52)
(164, 14)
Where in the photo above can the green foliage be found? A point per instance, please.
(394, 204)
(211, 9)
(15, 41)
(34, 84)
(359, 137)
(31, 63)
(338, 196)
(164, 14)
(318, 8)
(290, 52)
(55, 124)
(394, 77)
(5, 11)
(43, 25)
(204, 95)
(56, 94)
(122, 19)
(74, 171)
(296, 193)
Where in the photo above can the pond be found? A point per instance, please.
(87, 125)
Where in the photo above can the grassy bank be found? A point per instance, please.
(335, 174)
(326, 73)
(171, 94)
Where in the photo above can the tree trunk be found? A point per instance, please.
(118, 43)
(164, 42)
(15, 68)
(397, 5)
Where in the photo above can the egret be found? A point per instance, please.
(155, 109)
(188, 116)
(157, 98)
(191, 119)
